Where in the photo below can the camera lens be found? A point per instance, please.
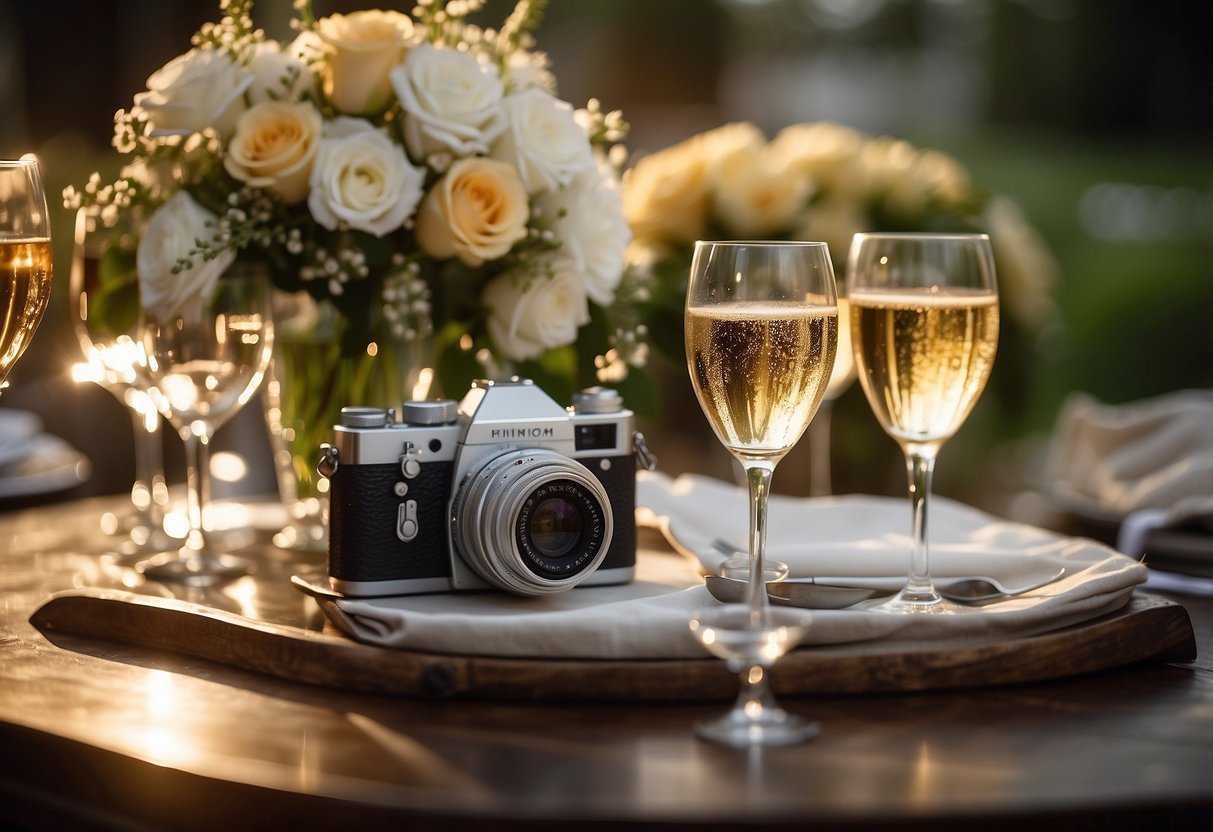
(555, 527)
(531, 521)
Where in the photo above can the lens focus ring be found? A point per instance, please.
(532, 521)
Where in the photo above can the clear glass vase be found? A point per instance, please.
(310, 380)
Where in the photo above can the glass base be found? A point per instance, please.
(771, 726)
(919, 603)
(738, 567)
(195, 569)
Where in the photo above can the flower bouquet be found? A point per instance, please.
(413, 182)
(824, 181)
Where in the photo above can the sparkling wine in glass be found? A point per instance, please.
(105, 312)
(761, 333)
(205, 364)
(924, 321)
(25, 258)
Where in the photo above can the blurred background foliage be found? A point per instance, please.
(1095, 116)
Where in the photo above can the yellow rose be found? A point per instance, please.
(476, 212)
(827, 153)
(360, 49)
(274, 146)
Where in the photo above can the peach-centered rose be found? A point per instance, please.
(361, 48)
(476, 212)
(274, 146)
(665, 196)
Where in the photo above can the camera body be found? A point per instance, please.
(505, 490)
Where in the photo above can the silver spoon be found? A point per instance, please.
(839, 592)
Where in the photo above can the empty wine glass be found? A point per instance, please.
(761, 333)
(206, 363)
(104, 295)
(924, 325)
(25, 258)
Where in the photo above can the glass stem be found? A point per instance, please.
(758, 474)
(920, 466)
(197, 450)
(754, 697)
(149, 468)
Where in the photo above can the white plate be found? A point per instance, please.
(50, 465)
(17, 431)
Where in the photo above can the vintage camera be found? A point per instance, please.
(507, 489)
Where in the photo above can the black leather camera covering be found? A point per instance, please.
(363, 545)
(619, 480)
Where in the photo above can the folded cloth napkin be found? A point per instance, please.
(1148, 464)
(845, 535)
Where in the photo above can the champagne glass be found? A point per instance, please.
(924, 320)
(105, 314)
(841, 377)
(205, 364)
(25, 258)
(761, 332)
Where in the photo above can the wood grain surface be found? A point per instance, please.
(1149, 628)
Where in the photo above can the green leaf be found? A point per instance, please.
(114, 304)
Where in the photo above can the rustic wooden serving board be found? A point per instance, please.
(1147, 629)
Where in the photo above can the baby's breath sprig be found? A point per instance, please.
(336, 268)
(407, 306)
(444, 20)
(517, 31)
(602, 127)
(304, 19)
(235, 32)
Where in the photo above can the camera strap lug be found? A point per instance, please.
(646, 458)
(329, 460)
(410, 465)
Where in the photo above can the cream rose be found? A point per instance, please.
(542, 140)
(200, 89)
(827, 153)
(360, 50)
(475, 212)
(451, 102)
(361, 178)
(665, 195)
(587, 218)
(274, 146)
(530, 315)
(169, 237)
(278, 75)
(754, 194)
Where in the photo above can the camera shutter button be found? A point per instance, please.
(406, 520)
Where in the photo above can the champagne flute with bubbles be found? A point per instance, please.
(761, 333)
(206, 362)
(924, 321)
(25, 258)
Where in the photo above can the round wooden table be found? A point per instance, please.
(104, 734)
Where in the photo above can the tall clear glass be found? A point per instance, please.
(924, 327)
(206, 363)
(25, 258)
(104, 294)
(761, 334)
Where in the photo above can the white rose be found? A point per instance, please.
(360, 50)
(530, 315)
(451, 102)
(587, 218)
(274, 146)
(475, 212)
(202, 88)
(542, 140)
(170, 236)
(362, 178)
(278, 75)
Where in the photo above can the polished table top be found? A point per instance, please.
(97, 734)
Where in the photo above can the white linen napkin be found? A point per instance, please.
(847, 535)
(1148, 464)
